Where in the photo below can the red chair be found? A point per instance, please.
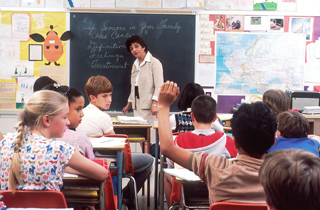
(238, 206)
(33, 199)
(110, 199)
(128, 170)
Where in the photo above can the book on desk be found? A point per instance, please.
(182, 173)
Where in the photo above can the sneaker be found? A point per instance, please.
(124, 207)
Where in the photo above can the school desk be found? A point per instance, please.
(314, 122)
(142, 130)
(105, 146)
(194, 193)
(84, 191)
(157, 155)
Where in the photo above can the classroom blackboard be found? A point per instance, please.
(97, 48)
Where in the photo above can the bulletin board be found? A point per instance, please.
(23, 60)
(240, 56)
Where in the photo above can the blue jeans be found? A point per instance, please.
(142, 164)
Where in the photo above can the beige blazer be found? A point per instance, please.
(150, 81)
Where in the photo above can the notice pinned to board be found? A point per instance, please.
(20, 26)
(7, 94)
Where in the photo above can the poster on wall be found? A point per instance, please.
(22, 56)
(302, 25)
(235, 23)
(264, 5)
(276, 24)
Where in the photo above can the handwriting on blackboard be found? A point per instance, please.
(106, 48)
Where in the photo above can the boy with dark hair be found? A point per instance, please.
(229, 180)
(96, 122)
(290, 179)
(203, 138)
(293, 133)
(99, 92)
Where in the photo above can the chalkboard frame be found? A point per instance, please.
(174, 46)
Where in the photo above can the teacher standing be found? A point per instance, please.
(146, 80)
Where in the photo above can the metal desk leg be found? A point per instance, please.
(161, 183)
(119, 167)
(156, 155)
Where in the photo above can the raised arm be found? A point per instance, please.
(83, 166)
(169, 92)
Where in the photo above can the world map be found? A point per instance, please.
(251, 63)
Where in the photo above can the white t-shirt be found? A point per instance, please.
(95, 122)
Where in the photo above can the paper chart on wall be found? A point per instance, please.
(81, 3)
(127, 3)
(103, 3)
(174, 4)
(149, 3)
(287, 5)
(25, 89)
(302, 25)
(7, 94)
(11, 3)
(57, 73)
(32, 3)
(55, 4)
(229, 5)
(256, 23)
(195, 4)
(20, 26)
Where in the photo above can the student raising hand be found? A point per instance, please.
(169, 92)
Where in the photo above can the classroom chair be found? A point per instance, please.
(128, 170)
(238, 206)
(195, 195)
(33, 199)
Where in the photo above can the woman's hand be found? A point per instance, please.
(126, 108)
(154, 108)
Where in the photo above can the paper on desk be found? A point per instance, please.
(107, 141)
(68, 175)
(182, 173)
(133, 120)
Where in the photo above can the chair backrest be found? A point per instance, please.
(110, 198)
(126, 151)
(33, 199)
(238, 206)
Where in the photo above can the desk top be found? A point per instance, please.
(121, 125)
(312, 116)
(108, 143)
(183, 174)
(117, 124)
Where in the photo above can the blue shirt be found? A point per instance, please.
(310, 145)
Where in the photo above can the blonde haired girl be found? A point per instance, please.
(30, 160)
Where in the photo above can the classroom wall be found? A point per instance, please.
(203, 70)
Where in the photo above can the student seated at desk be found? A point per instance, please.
(182, 122)
(293, 133)
(76, 103)
(290, 179)
(203, 138)
(96, 122)
(278, 102)
(230, 180)
(30, 160)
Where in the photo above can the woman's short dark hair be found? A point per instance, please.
(136, 39)
(293, 125)
(189, 93)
